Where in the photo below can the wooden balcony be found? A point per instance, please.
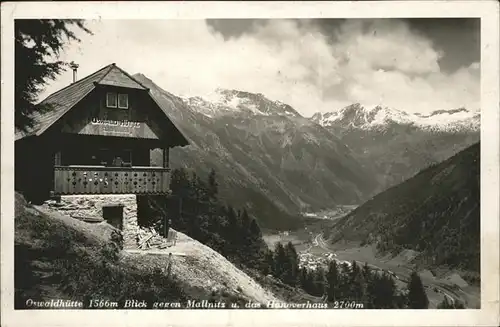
(111, 180)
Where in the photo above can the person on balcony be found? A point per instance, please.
(118, 162)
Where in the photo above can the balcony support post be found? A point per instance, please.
(57, 162)
(166, 157)
(57, 158)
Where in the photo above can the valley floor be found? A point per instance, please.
(312, 243)
(450, 285)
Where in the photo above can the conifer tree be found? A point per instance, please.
(355, 268)
(310, 285)
(280, 260)
(36, 42)
(381, 291)
(245, 222)
(201, 189)
(267, 267)
(344, 281)
(193, 180)
(386, 295)
(353, 272)
(199, 220)
(359, 290)
(332, 277)
(319, 281)
(255, 233)
(292, 265)
(232, 221)
(366, 271)
(306, 280)
(179, 185)
(371, 290)
(232, 230)
(358, 284)
(303, 278)
(196, 222)
(213, 186)
(417, 298)
(254, 245)
(211, 206)
(401, 300)
(244, 238)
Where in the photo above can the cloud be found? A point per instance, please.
(371, 62)
(388, 64)
(387, 44)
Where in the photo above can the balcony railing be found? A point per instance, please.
(111, 180)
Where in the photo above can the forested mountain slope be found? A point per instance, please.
(437, 213)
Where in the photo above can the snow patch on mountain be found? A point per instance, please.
(357, 116)
(223, 102)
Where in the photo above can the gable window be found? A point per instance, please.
(111, 100)
(123, 101)
(117, 100)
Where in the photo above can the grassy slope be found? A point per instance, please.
(436, 213)
(56, 259)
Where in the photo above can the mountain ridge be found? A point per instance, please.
(357, 116)
(230, 101)
(395, 145)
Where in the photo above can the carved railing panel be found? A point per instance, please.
(111, 180)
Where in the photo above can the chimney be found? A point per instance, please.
(74, 67)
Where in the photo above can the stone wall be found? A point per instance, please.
(90, 205)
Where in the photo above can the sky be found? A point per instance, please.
(315, 65)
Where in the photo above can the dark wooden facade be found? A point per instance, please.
(95, 146)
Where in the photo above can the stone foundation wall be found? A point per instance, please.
(90, 205)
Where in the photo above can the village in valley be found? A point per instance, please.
(312, 261)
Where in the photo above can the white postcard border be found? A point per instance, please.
(486, 10)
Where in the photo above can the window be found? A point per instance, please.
(111, 100)
(117, 100)
(123, 101)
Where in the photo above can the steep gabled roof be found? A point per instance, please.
(63, 100)
(118, 77)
